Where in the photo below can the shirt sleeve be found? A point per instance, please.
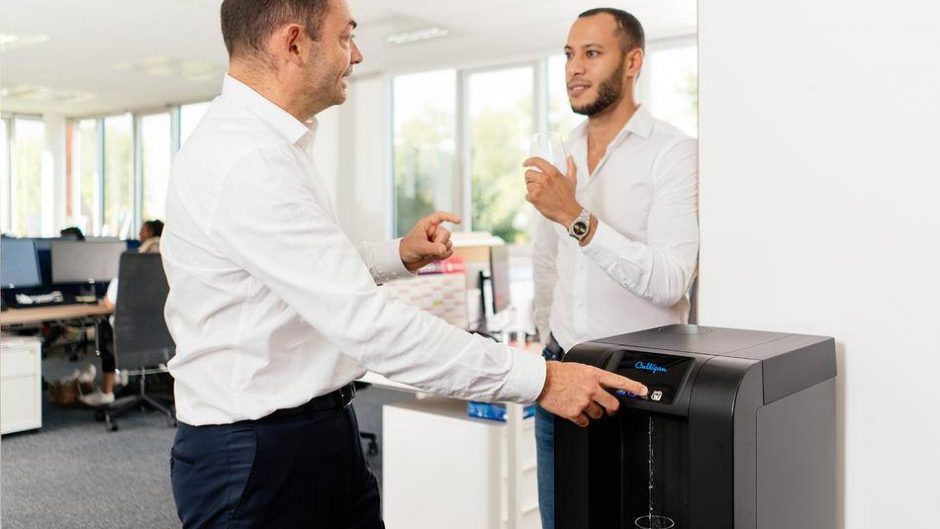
(268, 221)
(383, 259)
(545, 273)
(660, 269)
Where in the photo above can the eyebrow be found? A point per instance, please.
(585, 46)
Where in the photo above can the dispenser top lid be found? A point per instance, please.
(716, 341)
(790, 362)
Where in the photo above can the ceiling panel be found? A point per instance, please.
(93, 45)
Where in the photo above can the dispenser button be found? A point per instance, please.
(656, 396)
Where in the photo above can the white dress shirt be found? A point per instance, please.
(637, 269)
(270, 304)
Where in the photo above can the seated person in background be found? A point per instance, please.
(73, 233)
(150, 243)
(150, 233)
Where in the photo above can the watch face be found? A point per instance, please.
(579, 229)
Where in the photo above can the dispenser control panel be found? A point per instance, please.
(661, 374)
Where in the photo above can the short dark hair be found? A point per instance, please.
(630, 30)
(247, 23)
(155, 227)
(73, 233)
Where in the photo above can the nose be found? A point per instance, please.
(356, 56)
(574, 66)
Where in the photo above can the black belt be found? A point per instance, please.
(553, 351)
(335, 400)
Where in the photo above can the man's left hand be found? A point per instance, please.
(551, 191)
(428, 241)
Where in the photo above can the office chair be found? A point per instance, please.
(142, 343)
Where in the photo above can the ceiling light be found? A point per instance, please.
(9, 41)
(44, 94)
(163, 66)
(417, 35)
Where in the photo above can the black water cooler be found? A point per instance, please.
(738, 433)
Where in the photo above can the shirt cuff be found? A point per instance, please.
(526, 378)
(387, 264)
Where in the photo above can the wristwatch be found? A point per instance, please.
(580, 225)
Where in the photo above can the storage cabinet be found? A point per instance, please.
(20, 384)
(441, 468)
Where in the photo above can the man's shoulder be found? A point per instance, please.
(230, 135)
(233, 130)
(666, 136)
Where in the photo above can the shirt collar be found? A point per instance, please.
(640, 123)
(279, 119)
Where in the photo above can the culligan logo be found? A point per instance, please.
(651, 367)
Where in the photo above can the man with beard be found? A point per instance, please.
(616, 243)
(275, 312)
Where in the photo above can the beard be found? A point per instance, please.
(608, 93)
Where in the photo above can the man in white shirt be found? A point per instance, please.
(275, 312)
(616, 246)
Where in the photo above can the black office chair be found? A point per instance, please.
(142, 343)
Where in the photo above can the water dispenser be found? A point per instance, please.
(737, 432)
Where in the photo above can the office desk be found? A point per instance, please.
(52, 313)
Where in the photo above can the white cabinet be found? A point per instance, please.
(442, 469)
(20, 384)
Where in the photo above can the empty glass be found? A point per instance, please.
(551, 147)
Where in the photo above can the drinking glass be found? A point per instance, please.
(654, 522)
(551, 147)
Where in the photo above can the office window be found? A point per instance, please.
(561, 119)
(672, 87)
(26, 178)
(190, 116)
(500, 111)
(424, 125)
(118, 176)
(5, 217)
(86, 176)
(155, 152)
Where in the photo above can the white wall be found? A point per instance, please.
(364, 189)
(819, 127)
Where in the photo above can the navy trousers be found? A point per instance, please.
(305, 471)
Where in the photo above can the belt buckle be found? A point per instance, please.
(346, 394)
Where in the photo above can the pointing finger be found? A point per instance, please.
(442, 216)
(611, 380)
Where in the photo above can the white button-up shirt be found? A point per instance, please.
(637, 269)
(270, 304)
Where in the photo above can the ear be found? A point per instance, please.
(286, 44)
(635, 59)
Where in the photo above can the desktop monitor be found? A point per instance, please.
(20, 268)
(85, 262)
(44, 252)
(499, 277)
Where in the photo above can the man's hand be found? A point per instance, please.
(551, 192)
(578, 392)
(428, 241)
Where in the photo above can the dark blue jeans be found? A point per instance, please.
(545, 457)
(287, 472)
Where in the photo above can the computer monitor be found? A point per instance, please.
(44, 252)
(85, 261)
(20, 267)
(499, 277)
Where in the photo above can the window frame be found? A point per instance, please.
(137, 116)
